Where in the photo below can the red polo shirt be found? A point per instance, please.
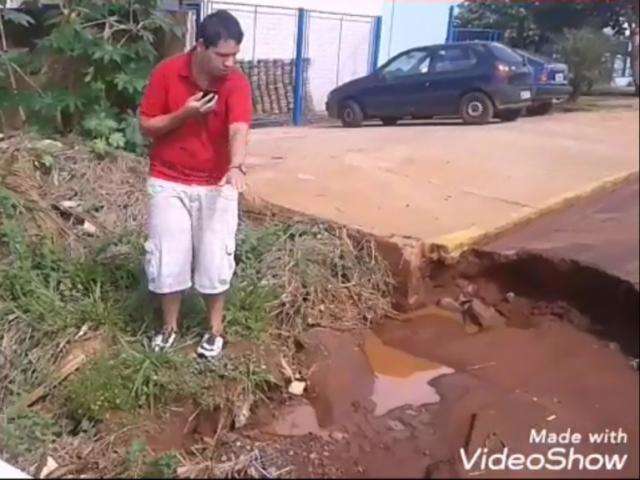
(196, 153)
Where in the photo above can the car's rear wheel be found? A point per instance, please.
(509, 115)
(540, 109)
(389, 121)
(351, 114)
(476, 108)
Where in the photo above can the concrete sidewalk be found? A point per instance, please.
(440, 181)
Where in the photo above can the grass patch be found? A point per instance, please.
(126, 381)
(25, 434)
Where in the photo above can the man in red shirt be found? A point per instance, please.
(197, 110)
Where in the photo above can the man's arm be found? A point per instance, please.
(238, 134)
(157, 126)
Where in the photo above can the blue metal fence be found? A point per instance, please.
(319, 49)
(470, 34)
(458, 34)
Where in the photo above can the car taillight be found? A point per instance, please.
(503, 69)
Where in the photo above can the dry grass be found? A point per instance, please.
(291, 276)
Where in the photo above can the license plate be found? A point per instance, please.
(525, 94)
(559, 77)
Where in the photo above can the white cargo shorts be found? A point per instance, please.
(191, 237)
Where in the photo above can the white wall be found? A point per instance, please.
(412, 23)
(353, 7)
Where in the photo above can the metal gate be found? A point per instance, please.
(328, 48)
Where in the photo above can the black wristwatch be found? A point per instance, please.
(239, 167)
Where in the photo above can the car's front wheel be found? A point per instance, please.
(509, 115)
(351, 114)
(540, 109)
(476, 108)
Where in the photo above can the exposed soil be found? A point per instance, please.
(401, 401)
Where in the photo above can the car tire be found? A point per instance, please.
(540, 109)
(351, 114)
(510, 115)
(476, 108)
(389, 121)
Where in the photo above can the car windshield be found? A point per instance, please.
(411, 63)
(505, 53)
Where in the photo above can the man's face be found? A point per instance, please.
(219, 60)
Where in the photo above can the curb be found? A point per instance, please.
(458, 241)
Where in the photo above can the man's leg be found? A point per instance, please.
(168, 254)
(215, 310)
(170, 304)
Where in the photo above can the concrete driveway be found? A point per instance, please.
(443, 182)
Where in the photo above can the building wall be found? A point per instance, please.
(353, 7)
(412, 23)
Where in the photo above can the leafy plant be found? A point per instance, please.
(163, 466)
(106, 50)
(585, 52)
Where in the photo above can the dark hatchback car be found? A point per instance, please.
(473, 80)
(550, 82)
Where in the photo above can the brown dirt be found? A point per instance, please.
(552, 366)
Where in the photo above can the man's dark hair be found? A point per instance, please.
(218, 26)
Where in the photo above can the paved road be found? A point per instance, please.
(441, 181)
(602, 231)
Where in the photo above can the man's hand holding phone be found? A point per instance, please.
(201, 103)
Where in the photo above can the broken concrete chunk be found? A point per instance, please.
(297, 387)
(242, 412)
(69, 204)
(486, 315)
(49, 466)
(49, 146)
(89, 228)
(449, 304)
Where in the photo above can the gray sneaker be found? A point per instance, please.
(163, 340)
(210, 346)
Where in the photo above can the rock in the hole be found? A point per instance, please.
(338, 436)
(493, 443)
(487, 316)
(297, 387)
(471, 328)
(395, 425)
(449, 304)
(441, 469)
(242, 412)
(510, 297)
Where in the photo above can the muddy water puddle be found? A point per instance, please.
(361, 374)
(405, 394)
(400, 378)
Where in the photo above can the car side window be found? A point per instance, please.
(411, 63)
(453, 60)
